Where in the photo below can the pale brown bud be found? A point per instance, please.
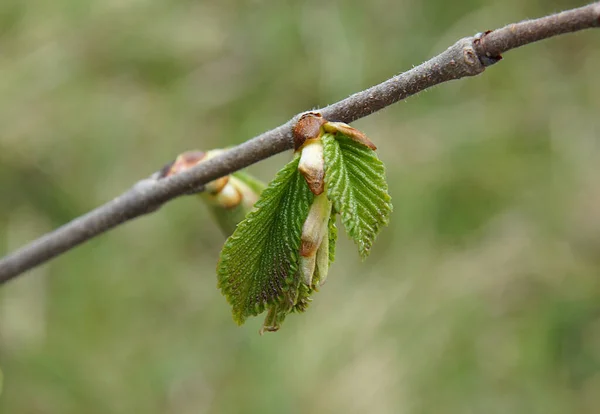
(188, 160)
(228, 196)
(216, 186)
(249, 196)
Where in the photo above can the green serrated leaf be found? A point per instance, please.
(333, 234)
(328, 248)
(257, 267)
(355, 180)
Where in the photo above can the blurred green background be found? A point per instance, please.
(482, 296)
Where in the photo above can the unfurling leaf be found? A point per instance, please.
(355, 182)
(326, 253)
(259, 262)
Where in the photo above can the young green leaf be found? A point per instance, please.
(326, 253)
(258, 265)
(355, 181)
(333, 234)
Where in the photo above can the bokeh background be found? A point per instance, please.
(482, 296)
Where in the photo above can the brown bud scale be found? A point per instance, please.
(308, 127)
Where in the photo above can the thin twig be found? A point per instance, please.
(467, 57)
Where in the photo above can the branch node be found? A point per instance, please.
(467, 57)
(485, 58)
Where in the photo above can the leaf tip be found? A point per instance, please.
(353, 133)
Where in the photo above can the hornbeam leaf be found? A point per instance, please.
(258, 264)
(355, 182)
(332, 235)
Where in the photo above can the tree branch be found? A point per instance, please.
(467, 57)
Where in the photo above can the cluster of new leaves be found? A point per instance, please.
(263, 265)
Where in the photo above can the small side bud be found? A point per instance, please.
(228, 196)
(249, 195)
(308, 127)
(190, 159)
(216, 186)
(234, 201)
